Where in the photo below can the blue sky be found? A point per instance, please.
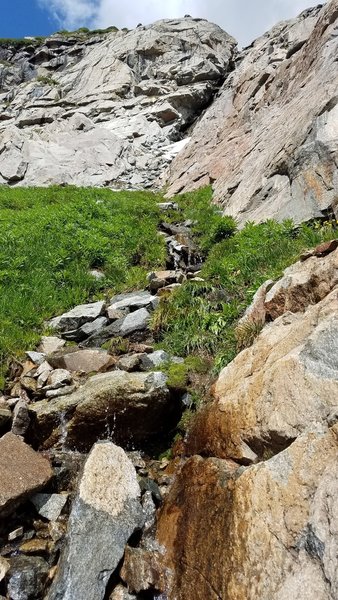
(244, 19)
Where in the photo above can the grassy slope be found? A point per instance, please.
(51, 237)
(201, 317)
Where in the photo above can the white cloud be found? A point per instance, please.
(72, 13)
(244, 19)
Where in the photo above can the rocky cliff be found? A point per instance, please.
(265, 529)
(269, 142)
(113, 109)
(106, 109)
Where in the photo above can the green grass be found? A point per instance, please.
(52, 237)
(18, 43)
(201, 317)
(85, 32)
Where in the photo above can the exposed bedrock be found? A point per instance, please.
(269, 141)
(106, 109)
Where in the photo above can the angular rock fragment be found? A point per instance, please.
(86, 361)
(133, 301)
(27, 577)
(22, 472)
(78, 316)
(49, 506)
(51, 344)
(104, 515)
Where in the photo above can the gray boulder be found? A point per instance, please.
(27, 577)
(78, 316)
(105, 513)
(133, 301)
(135, 323)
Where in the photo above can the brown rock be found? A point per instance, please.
(260, 533)
(321, 250)
(37, 546)
(160, 279)
(85, 361)
(271, 392)
(144, 569)
(302, 284)
(22, 472)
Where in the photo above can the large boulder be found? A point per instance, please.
(129, 408)
(272, 391)
(269, 142)
(104, 515)
(22, 472)
(268, 531)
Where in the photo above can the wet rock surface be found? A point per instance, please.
(270, 519)
(131, 408)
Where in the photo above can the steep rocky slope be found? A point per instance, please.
(106, 109)
(269, 141)
(245, 505)
(268, 530)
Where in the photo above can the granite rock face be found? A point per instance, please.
(106, 109)
(252, 512)
(267, 532)
(288, 380)
(269, 141)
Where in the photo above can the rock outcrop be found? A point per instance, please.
(130, 408)
(251, 512)
(269, 141)
(288, 376)
(264, 532)
(106, 109)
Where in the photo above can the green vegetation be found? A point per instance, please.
(201, 317)
(52, 237)
(18, 43)
(85, 32)
(47, 80)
